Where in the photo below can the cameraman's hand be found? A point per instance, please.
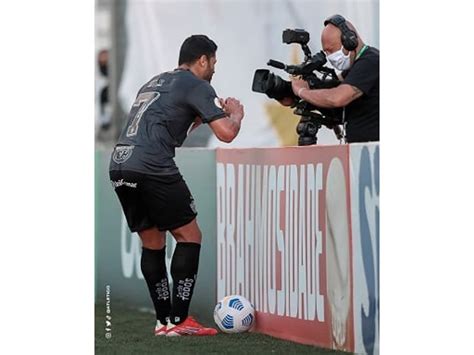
(232, 106)
(297, 84)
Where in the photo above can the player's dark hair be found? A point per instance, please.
(194, 47)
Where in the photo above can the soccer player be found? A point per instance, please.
(151, 190)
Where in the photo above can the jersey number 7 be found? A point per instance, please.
(141, 104)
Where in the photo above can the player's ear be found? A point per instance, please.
(202, 60)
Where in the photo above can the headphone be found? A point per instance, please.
(348, 37)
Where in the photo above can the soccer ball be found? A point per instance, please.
(234, 314)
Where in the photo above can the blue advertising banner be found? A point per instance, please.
(365, 210)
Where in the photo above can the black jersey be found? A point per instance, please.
(160, 119)
(362, 114)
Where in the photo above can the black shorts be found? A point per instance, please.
(162, 201)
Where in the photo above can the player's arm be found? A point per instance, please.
(227, 128)
(197, 122)
(223, 116)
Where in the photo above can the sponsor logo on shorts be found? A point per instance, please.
(121, 182)
(122, 153)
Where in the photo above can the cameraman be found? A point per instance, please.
(359, 91)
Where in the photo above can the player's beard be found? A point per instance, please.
(209, 76)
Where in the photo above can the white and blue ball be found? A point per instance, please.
(234, 314)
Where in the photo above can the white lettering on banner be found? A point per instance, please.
(249, 232)
(312, 215)
(280, 240)
(263, 250)
(229, 226)
(319, 243)
(239, 289)
(293, 266)
(257, 258)
(220, 174)
(270, 247)
(277, 268)
(301, 268)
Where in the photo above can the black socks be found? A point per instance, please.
(154, 271)
(184, 267)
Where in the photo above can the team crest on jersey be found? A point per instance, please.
(122, 153)
(217, 102)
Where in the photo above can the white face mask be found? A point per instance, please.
(339, 60)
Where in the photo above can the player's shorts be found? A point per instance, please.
(162, 201)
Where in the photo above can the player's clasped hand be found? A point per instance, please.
(232, 105)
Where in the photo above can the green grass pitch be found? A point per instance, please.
(132, 333)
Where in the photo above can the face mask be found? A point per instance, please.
(339, 60)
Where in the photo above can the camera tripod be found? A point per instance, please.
(311, 122)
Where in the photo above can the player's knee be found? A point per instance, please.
(152, 239)
(153, 244)
(194, 236)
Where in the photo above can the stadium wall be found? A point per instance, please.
(295, 230)
(297, 234)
